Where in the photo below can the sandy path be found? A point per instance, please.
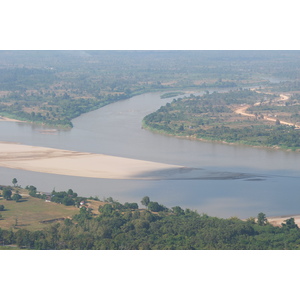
(242, 111)
(65, 162)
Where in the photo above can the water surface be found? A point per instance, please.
(220, 180)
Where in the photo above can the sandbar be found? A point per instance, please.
(73, 163)
(277, 221)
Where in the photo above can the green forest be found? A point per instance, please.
(117, 226)
(212, 117)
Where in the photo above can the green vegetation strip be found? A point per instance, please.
(110, 225)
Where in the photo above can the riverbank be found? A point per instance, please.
(277, 221)
(73, 163)
(211, 140)
(66, 126)
(9, 119)
(221, 117)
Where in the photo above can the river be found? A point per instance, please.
(220, 180)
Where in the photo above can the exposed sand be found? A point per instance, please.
(277, 221)
(9, 119)
(72, 163)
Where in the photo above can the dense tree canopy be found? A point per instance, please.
(125, 227)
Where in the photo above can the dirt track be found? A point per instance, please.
(242, 111)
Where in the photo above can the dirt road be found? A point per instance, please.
(242, 111)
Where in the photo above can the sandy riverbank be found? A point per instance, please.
(277, 221)
(9, 119)
(72, 163)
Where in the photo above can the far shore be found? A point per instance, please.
(193, 138)
(278, 220)
(73, 163)
(9, 119)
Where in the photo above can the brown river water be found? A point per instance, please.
(220, 180)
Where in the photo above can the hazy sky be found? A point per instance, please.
(163, 24)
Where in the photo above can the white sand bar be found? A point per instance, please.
(277, 221)
(72, 163)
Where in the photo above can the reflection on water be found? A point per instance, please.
(218, 179)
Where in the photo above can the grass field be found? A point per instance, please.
(30, 211)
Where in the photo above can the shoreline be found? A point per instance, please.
(276, 148)
(73, 163)
(50, 126)
(277, 220)
(5, 119)
(91, 165)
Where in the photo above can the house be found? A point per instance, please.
(48, 197)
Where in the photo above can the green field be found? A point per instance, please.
(30, 211)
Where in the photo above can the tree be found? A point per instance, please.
(131, 205)
(261, 219)
(181, 127)
(14, 181)
(68, 222)
(32, 190)
(251, 220)
(155, 206)
(178, 210)
(7, 193)
(289, 223)
(16, 197)
(67, 201)
(145, 201)
(70, 192)
(106, 209)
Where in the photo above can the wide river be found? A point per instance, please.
(224, 181)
